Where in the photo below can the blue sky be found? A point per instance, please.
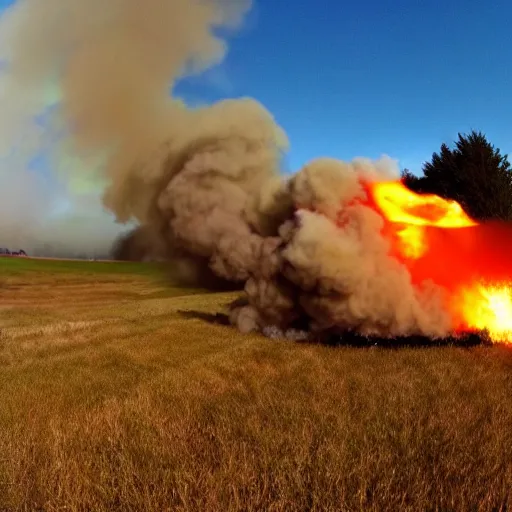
(364, 78)
(368, 77)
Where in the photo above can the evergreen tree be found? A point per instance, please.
(474, 173)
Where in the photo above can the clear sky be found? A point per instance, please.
(368, 77)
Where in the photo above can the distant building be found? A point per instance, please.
(6, 252)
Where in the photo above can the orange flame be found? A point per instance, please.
(411, 212)
(488, 308)
(437, 240)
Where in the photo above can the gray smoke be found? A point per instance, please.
(204, 185)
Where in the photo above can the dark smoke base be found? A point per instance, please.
(354, 339)
(357, 340)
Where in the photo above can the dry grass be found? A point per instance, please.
(112, 399)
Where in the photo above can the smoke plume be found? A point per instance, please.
(204, 185)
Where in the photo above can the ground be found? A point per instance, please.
(119, 391)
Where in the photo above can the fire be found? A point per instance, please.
(437, 240)
(488, 308)
(411, 212)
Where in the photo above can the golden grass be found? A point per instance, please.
(112, 399)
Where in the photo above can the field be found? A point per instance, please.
(119, 391)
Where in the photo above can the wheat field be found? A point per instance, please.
(120, 392)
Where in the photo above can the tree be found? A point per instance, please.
(474, 174)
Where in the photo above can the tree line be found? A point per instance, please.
(474, 173)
